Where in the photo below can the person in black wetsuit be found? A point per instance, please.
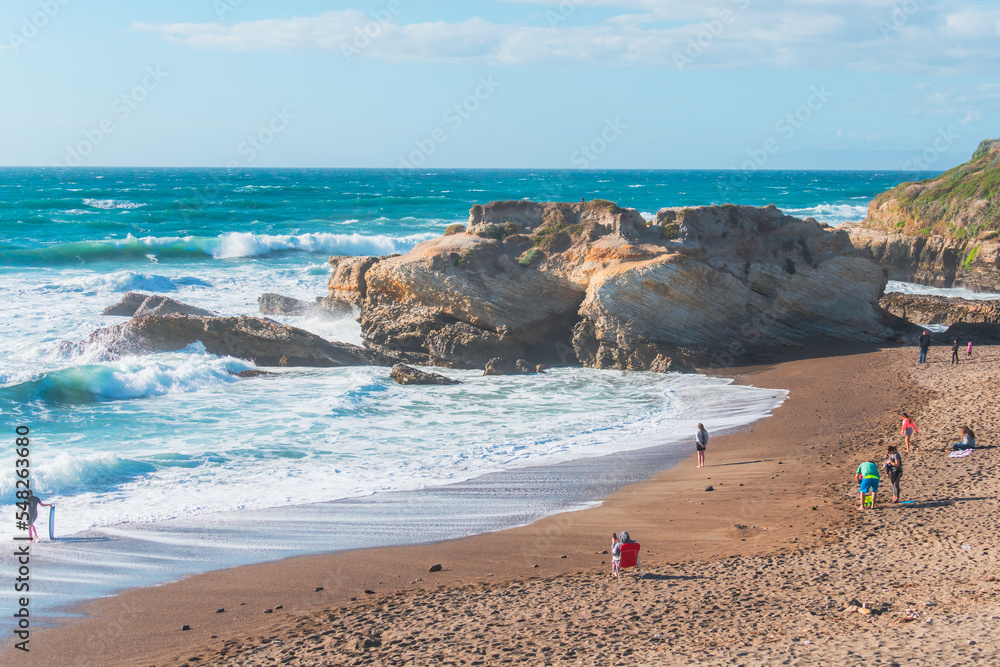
(954, 352)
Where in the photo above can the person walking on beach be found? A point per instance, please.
(869, 478)
(33, 502)
(700, 443)
(954, 352)
(894, 467)
(968, 350)
(924, 343)
(616, 555)
(909, 428)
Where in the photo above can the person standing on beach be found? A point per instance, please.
(869, 478)
(909, 428)
(968, 350)
(700, 443)
(924, 343)
(33, 503)
(894, 466)
(954, 352)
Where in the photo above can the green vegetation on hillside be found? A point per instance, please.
(961, 203)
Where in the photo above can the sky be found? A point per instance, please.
(595, 84)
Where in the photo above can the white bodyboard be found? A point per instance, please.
(52, 523)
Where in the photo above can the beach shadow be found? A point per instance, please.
(735, 463)
(942, 502)
(81, 539)
(670, 577)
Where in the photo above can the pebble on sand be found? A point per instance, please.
(220, 610)
(710, 488)
(436, 567)
(319, 588)
(185, 627)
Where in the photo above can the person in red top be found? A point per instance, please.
(909, 428)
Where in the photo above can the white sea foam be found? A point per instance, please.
(109, 204)
(310, 435)
(126, 281)
(961, 292)
(832, 214)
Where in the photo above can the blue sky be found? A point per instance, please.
(872, 84)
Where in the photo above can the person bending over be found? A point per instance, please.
(868, 477)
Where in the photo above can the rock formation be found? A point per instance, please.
(942, 231)
(278, 304)
(592, 282)
(261, 341)
(408, 375)
(927, 309)
(137, 303)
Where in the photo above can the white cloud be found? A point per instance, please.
(863, 35)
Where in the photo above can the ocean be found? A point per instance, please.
(149, 457)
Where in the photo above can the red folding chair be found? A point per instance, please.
(630, 556)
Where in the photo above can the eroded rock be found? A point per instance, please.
(137, 303)
(404, 374)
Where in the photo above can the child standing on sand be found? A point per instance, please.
(616, 554)
(909, 428)
(968, 350)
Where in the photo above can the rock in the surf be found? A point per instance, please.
(408, 375)
(137, 303)
(261, 341)
(278, 304)
(590, 282)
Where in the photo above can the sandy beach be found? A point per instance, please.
(770, 567)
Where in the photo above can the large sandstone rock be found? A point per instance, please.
(137, 303)
(592, 282)
(928, 309)
(261, 341)
(941, 231)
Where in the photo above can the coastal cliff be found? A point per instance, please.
(942, 231)
(593, 283)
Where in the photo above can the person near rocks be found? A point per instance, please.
(924, 343)
(908, 430)
(968, 350)
(954, 352)
(33, 503)
(968, 440)
(894, 468)
(868, 478)
(616, 555)
(700, 443)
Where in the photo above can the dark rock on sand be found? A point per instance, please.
(408, 375)
(261, 341)
(435, 568)
(137, 303)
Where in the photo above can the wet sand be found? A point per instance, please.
(768, 568)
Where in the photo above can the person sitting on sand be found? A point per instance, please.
(869, 478)
(33, 503)
(909, 428)
(894, 468)
(968, 440)
(616, 554)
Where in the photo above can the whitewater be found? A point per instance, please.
(161, 452)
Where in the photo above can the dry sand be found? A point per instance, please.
(747, 574)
